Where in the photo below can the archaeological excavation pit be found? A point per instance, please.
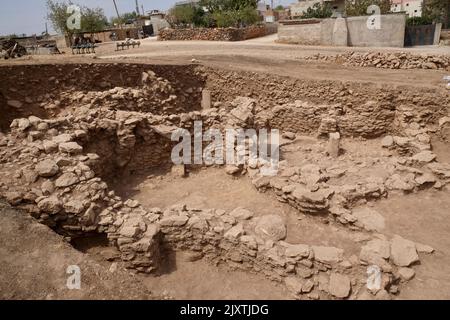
(86, 150)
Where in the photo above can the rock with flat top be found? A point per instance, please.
(387, 142)
(50, 146)
(289, 135)
(232, 170)
(271, 227)
(406, 274)
(423, 248)
(370, 219)
(62, 138)
(294, 285)
(297, 251)
(424, 157)
(339, 285)
(235, 232)
(50, 205)
(66, 180)
(241, 214)
(70, 148)
(47, 168)
(74, 207)
(328, 255)
(403, 252)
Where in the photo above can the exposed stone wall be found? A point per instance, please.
(241, 241)
(43, 90)
(363, 109)
(216, 34)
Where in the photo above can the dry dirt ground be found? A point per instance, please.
(33, 259)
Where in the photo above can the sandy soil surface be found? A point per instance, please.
(34, 261)
(259, 55)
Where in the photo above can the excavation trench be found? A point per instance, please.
(103, 171)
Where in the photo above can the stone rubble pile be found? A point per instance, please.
(386, 60)
(154, 95)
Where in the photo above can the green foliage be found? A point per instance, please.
(225, 19)
(419, 21)
(220, 13)
(437, 11)
(236, 18)
(57, 15)
(181, 16)
(92, 19)
(319, 11)
(201, 18)
(279, 8)
(359, 7)
(124, 18)
(249, 16)
(214, 6)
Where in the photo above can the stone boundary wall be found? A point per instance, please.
(218, 34)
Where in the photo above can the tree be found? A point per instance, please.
(279, 8)
(221, 13)
(225, 19)
(57, 15)
(236, 18)
(128, 16)
(248, 16)
(359, 7)
(228, 5)
(232, 13)
(181, 16)
(318, 11)
(92, 20)
(438, 11)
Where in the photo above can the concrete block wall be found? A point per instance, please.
(326, 32)
(391, 33)
(308, 33)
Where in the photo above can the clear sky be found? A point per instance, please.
(29, 16)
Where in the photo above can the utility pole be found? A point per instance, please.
(118, 15)
(137, 8)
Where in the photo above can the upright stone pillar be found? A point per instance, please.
(340, 33)
(206, 99)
